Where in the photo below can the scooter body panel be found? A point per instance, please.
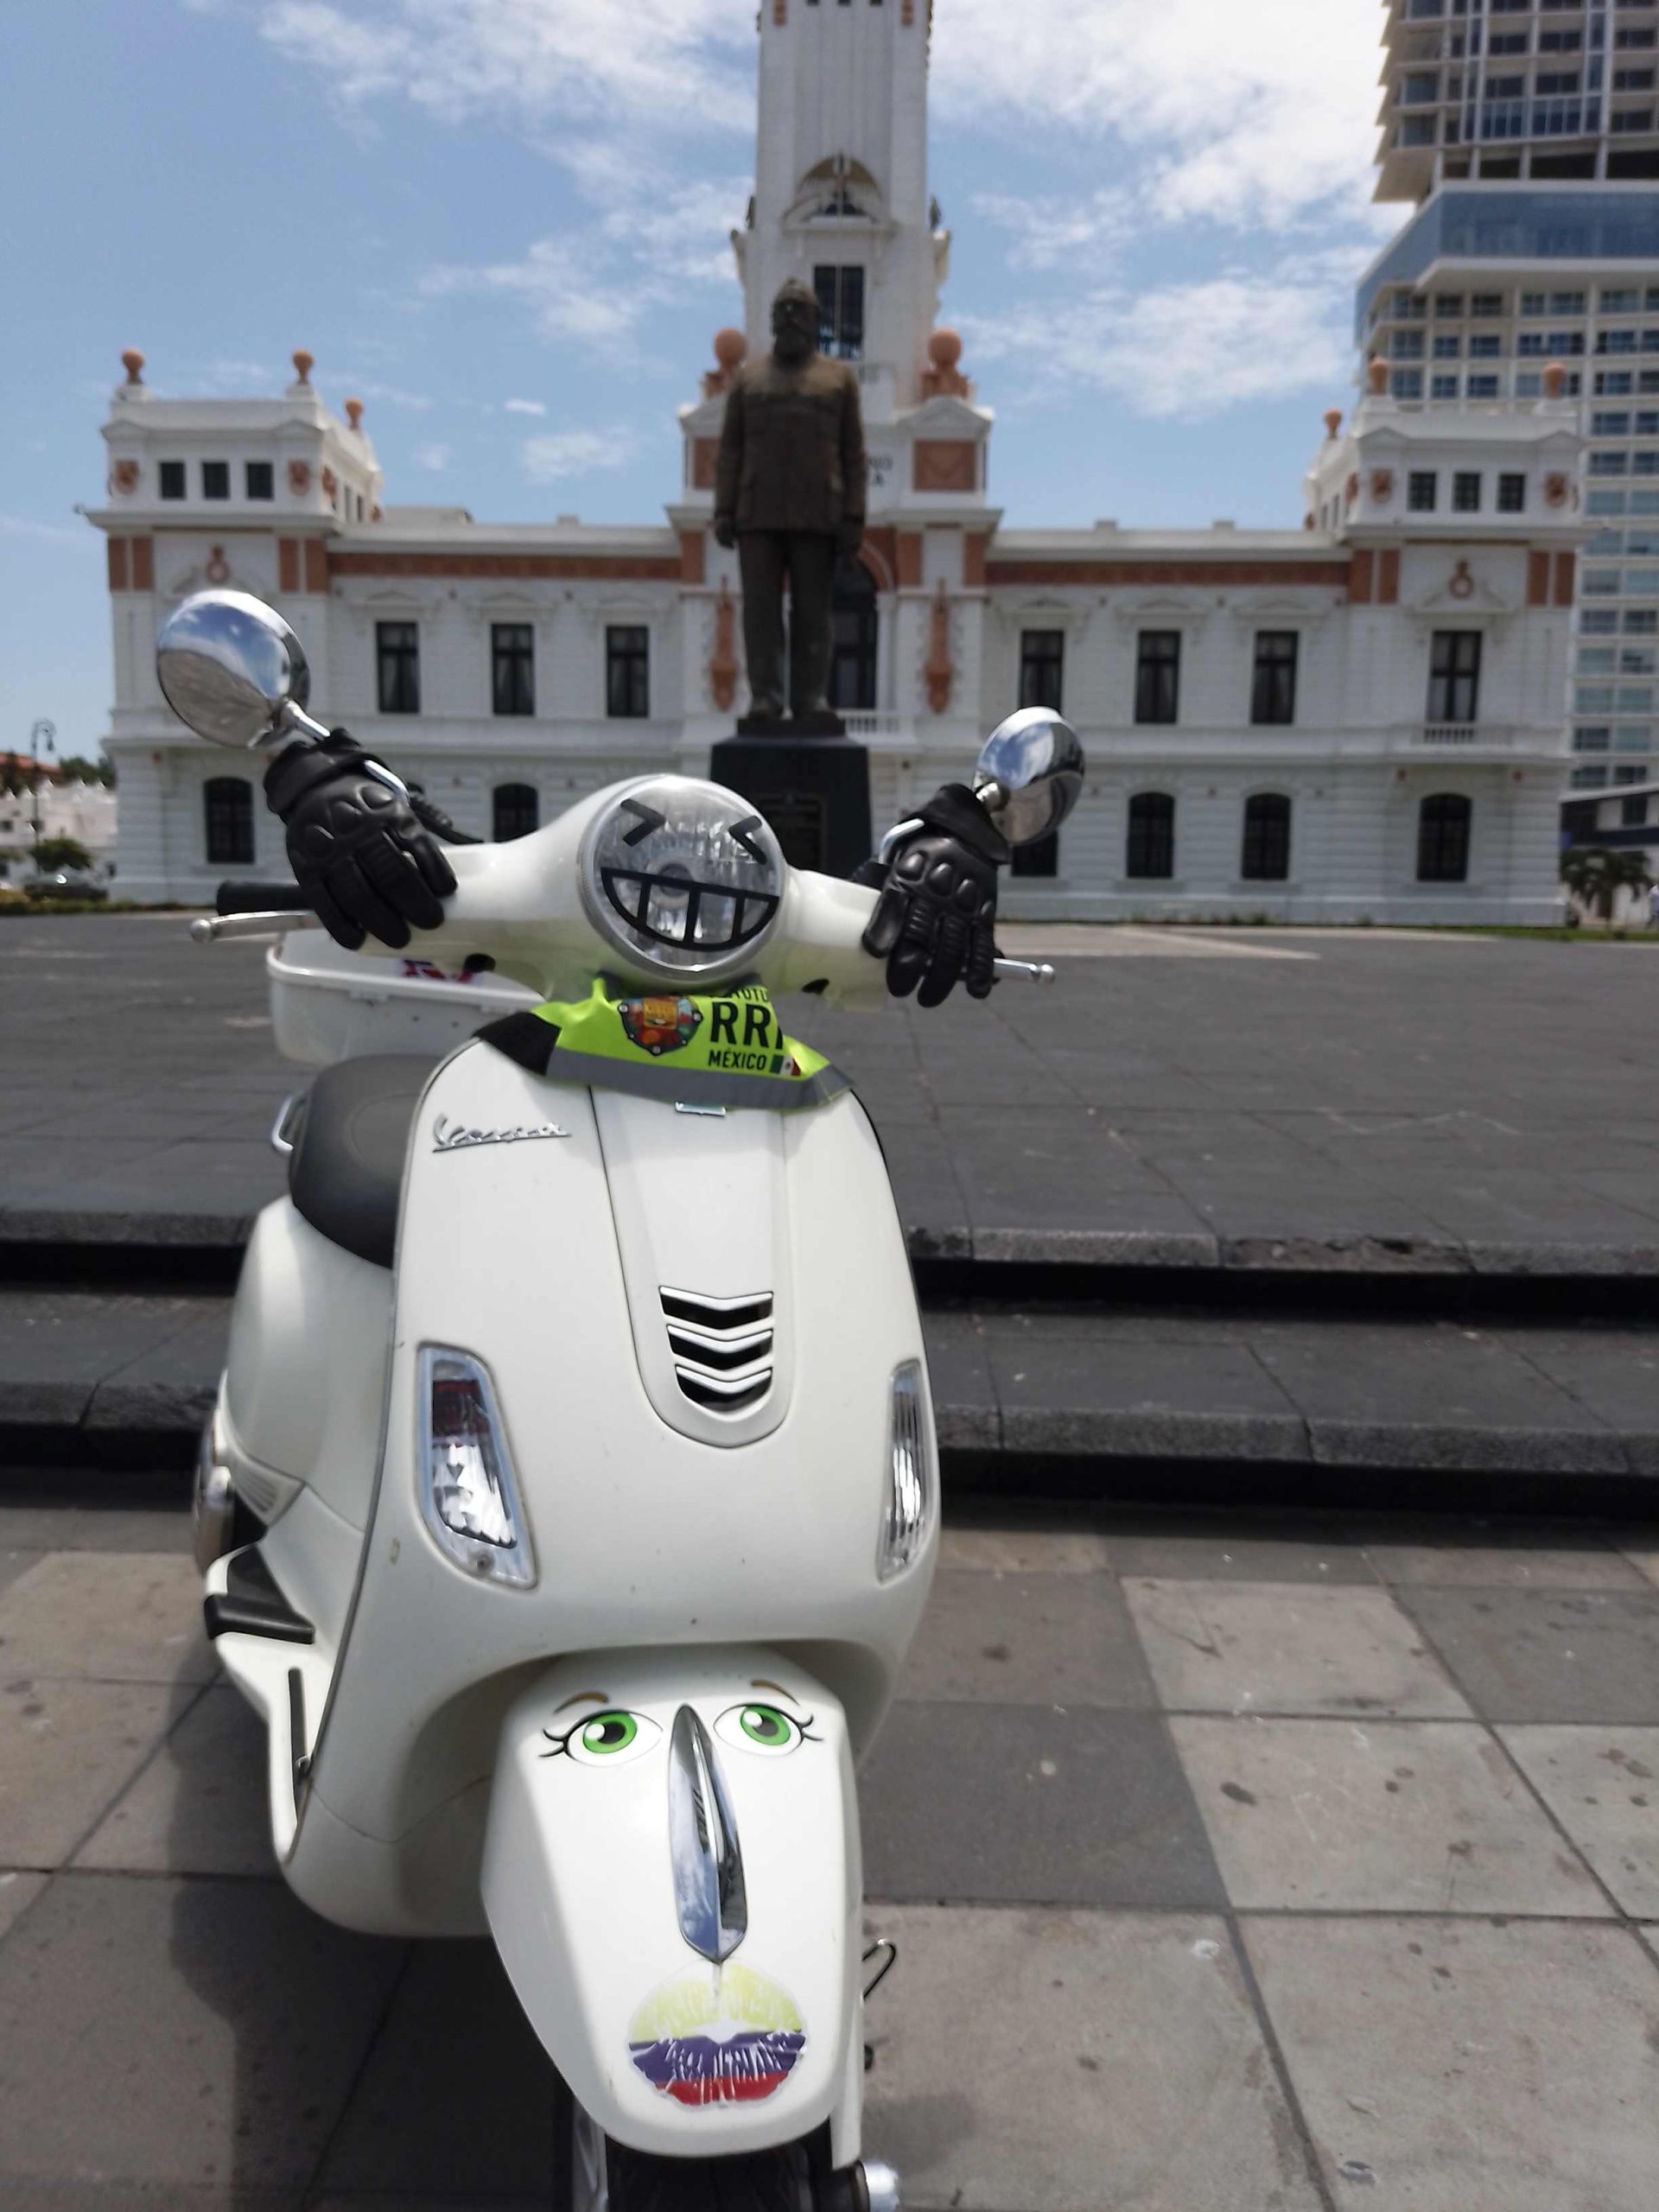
(668, 2049)
(644, 1535)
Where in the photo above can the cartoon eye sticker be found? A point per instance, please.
(765, 1728)
(607, 1739)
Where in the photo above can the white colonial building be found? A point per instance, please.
(1361, 718)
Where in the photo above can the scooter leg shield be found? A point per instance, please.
(671, 1877)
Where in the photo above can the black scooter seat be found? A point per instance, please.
(346, 1168)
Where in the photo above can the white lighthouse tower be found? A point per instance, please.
(840, 198)
(842, 203)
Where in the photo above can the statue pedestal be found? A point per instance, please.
(815, 792)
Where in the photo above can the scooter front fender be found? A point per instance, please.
(598, 1902)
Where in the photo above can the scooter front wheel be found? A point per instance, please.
(606, 2176)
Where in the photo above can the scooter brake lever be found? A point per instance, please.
(209, 929)
(1036, 971)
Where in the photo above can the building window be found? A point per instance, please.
(1158, 676)
(1266, 857)
(215, 480)
(1149, 856)
(1443, 838)
(1443, 387)
(1447, 345)
(1486, 304)
(627, 671)
(513, 668)
(1511, 494)
(1465, 491)
(1632, 813)
(841, 310)
(397, 663)
(1482, 388)
(1485, 346)
(1273, 695)
(172, 476)
(228, 802)
(1407, 384)
(1421, 491)
(257, 479)
(1454, 676)
(1042, 858)
(515, 811)
(1042, 667)
(854, 639)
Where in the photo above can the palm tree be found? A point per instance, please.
(1595, 876)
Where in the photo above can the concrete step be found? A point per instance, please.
(1062, 1402)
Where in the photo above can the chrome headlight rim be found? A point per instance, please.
(727, 962)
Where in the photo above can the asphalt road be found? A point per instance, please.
(1196, 1098)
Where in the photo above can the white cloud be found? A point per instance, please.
(524, 406)
(671, 60)
(433, 457)
(568, 285)
(1183, 351)
(1244, 112)
(1047, 231)
(577, 453)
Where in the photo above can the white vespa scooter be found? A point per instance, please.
(583, 1431)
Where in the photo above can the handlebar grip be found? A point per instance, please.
(246, 896)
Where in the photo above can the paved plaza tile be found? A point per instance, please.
(98, 1618)
(1457, 2066)
(1379, 1817)
(994, 1803)
(1136, 1750)
(1548, 1655)
(1602, 1784)
(201, 1805)
(1222, 1647)
(67, 1749)
(180, 2033)
(1028, 1639)
(1064, 2062)
(453, 2021)
(1015, 1550)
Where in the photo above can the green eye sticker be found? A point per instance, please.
(759, 1728)
(608, 1739)
(611, 1731)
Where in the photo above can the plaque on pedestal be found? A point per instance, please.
(815, 792)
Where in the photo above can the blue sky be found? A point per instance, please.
(502, 224)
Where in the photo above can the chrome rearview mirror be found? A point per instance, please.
(1030, 774)
(231, 667)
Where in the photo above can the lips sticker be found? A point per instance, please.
(724, 2037)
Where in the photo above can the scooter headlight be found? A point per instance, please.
(469, 1497)
(908, 1510)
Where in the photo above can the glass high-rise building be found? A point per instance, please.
(1527, 134)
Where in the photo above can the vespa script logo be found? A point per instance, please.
(456, 1137)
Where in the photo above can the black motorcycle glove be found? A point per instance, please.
(935, 921)
(355, 844)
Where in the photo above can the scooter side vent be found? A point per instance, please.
(721, 1348)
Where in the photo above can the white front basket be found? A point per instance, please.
(327, 1004)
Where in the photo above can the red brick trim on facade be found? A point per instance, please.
(1537, 578)
(637, 567)
(316, 565)
(117, 556)
(692, 559)
(1388, 577)
(288, 564)
(1333, 574)
(1567, 565)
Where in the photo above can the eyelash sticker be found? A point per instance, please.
(740, 835)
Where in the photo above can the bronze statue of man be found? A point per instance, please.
(790, 489)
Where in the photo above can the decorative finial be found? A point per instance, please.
(942, 374)
(1332, 421)
(731, 350)
(304, 363)
(354, 412)
(1378, 374)
(1555, 380)
(133, 362)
